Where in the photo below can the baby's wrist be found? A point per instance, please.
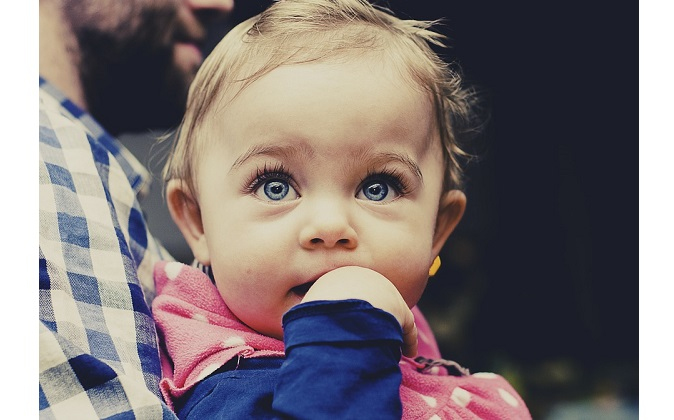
(334, 321)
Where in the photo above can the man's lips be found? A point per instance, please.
(189, 52)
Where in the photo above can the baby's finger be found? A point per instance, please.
(410, 338)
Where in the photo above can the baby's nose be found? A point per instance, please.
(328, 227)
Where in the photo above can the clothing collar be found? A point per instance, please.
(139, 177)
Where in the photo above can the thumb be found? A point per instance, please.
(409, 335)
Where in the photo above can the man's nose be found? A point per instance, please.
(328, 226)
(209, 11)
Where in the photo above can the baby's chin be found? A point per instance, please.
(276, 333)
(266, 327)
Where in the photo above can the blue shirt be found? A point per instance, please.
(98, 344)
(341, 362)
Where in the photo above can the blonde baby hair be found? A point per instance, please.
(303, 31)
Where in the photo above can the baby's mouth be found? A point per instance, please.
(302, 289)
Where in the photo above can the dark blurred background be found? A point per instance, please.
(540, 281)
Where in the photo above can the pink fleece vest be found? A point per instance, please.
(200, 334)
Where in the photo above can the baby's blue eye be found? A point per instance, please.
(375, 190)
(272, 184)
(276, 189)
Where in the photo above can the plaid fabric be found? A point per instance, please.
(98, 344)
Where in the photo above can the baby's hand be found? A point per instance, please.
(354, 282)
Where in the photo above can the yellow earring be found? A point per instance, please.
(434, 267)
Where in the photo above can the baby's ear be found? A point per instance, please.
(452, 206)
(186, 214)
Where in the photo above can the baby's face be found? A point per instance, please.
(314, 167)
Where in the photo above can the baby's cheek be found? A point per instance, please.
(411, 279)
(416, 290)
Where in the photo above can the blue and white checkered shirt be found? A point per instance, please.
(98, 344)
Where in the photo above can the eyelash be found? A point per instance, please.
(278, 171)
(391, 176)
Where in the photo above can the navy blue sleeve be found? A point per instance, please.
(341, 362)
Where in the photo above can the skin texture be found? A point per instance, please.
(329, 136)
(130, 62)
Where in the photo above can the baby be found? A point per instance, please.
(316, 178)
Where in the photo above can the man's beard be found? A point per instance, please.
(127, 70)
(132, 88)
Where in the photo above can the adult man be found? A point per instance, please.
(107, 66)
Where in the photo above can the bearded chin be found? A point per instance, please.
(131, 89)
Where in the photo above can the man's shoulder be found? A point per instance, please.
(65, 128)
(58, 126)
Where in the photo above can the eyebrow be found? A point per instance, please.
(287, 151)
(272, 150)
(383, 158)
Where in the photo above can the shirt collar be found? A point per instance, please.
(138, 176)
